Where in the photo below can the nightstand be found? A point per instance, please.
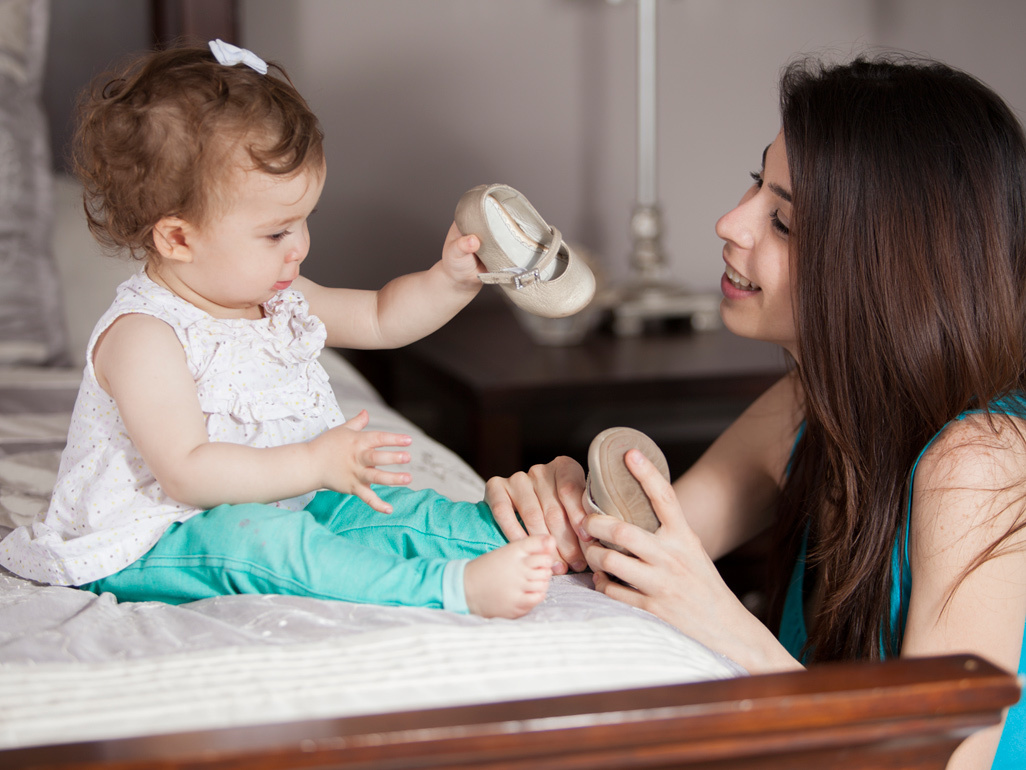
(481, 386)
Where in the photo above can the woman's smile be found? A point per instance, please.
(739, 281)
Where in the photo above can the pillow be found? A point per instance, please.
(32, 329)
(82, 264)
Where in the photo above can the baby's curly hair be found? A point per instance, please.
(159, 137)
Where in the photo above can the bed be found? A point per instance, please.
(283, 682)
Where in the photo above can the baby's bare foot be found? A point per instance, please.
(509, 581)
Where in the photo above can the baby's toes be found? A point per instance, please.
(537, 574)
(530, 599)
(540, 545)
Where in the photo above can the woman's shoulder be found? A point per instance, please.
(967, 544)
(782, 401)
(985, 446)
(972, 477)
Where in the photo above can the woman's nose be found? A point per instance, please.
(736, 226)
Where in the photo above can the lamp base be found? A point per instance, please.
(647, 296)
(634, 304)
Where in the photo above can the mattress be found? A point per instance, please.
(75, 666)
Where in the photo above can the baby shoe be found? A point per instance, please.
(524, 255)
(611, 488)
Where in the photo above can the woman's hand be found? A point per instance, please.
(671, 575)
(349, 458)
(548, 500)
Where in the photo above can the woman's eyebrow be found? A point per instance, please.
(780, 192)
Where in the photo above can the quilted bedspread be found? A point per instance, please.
(75, 666)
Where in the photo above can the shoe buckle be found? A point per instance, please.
(526, 278)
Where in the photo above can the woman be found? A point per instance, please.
(883, 245)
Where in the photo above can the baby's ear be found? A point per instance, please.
(170, 237)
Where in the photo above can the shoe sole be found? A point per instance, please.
(612, 488)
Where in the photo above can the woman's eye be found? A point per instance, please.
(779, 226)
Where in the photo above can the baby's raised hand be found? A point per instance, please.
(348, 458)
(459, 260)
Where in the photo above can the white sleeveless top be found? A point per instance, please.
(259, 384)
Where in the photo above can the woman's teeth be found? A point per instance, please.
(739, 280)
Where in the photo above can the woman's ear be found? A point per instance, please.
(170, 237)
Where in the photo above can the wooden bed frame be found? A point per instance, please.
(897, 714)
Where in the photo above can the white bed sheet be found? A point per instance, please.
(143, 669)
(75, 666)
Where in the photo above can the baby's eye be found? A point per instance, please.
(279, 236)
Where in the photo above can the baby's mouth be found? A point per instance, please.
(739, 281)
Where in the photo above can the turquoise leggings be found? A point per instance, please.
(338, 548)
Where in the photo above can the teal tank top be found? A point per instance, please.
(1011, 752)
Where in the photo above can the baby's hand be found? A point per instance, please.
(349, 459)
(459, 260)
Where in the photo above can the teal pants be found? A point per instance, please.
(338, 548)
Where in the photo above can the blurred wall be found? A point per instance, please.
(86, 38)
(422, 99)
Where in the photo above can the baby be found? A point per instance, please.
(207, 454)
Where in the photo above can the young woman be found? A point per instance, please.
(883, 245)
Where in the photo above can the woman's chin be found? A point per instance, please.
(744, 325)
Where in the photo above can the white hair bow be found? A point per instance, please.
(230, 55)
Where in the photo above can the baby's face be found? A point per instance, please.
(241, 259)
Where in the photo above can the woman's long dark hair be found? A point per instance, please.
(908, 254)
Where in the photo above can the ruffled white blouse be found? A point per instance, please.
(259, 383)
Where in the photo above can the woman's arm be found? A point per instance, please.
(968, 493)
(407, 308)
(729, 494)
(140, 363)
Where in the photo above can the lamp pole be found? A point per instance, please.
(647, 258)
(648, 296)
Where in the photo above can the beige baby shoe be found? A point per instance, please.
(524, 255)
(611, 488)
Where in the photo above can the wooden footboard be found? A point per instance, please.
(907, 713)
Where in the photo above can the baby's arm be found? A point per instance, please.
(405, 309)
(140, 363)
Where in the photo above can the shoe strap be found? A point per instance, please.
(521, 276)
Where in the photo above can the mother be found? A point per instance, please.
(883, 245)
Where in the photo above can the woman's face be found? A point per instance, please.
(756, 284)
